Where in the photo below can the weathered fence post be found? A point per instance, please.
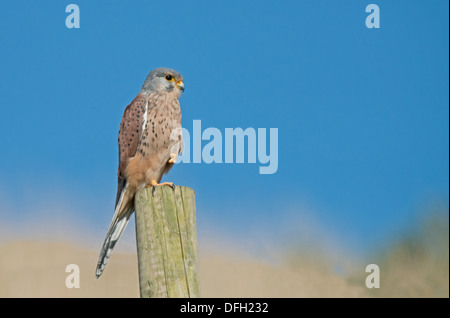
(166, 237)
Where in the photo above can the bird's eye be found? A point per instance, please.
(169, 78)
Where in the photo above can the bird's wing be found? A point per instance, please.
(130, 134)
(131, 129)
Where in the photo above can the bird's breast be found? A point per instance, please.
(161, 136)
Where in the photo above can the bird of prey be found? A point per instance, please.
(150, 140)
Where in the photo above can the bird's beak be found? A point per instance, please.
(180, 85)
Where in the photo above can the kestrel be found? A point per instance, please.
(149, 142)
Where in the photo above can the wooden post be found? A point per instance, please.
(166, 237)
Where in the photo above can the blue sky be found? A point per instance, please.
(362, 114)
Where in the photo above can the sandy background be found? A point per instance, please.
(415, 265)
(37, 269)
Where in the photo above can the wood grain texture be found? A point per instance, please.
(166, 238)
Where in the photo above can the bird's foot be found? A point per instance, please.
(155, 184)
(173, 158)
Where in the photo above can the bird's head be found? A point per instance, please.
(163, 81)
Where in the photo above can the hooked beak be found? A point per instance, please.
(180, 85)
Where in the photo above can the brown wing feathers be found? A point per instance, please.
(129, 137)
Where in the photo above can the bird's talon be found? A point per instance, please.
(170, 184)
(173, 158)
(154, 184)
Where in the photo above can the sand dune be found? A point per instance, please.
(415, 264)
(37, 269)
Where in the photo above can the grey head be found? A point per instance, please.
(163, 80)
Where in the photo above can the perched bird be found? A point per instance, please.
(150, 140)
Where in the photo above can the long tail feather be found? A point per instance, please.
(118, 225)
